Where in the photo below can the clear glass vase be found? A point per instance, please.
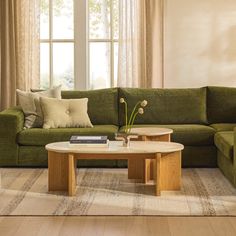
(125, 137)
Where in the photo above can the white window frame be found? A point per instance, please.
(81, 45)
(51, 41)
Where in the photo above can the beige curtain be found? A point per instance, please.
(140, 60)
(19, 48)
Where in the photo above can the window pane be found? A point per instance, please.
(44, 19)
(44, 66)
(63, 19)
(115, 19)
(115, 63)
(63, 65)
(99, 19)
(99, 65)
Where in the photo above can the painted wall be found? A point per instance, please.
(199, 43)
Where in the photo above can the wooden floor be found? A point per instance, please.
(114, 226)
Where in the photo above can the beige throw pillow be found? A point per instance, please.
(65, 113)
(31, 107)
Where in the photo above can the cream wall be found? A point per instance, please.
(199, 43)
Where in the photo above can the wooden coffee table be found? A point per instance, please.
(148, 133)
(166, 168)
(153, 133)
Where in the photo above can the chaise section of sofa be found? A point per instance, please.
(221, 113)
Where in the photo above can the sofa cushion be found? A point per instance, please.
(224, 141)
(189, 135)
(221, 105)
(102, 104)
(166, 106)
(223, 126)
(41, 137)
(31, 106)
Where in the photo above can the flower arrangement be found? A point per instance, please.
(129, 121)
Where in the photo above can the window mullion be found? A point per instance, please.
(50, 43)
(112, 45)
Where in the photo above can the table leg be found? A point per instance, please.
(157, 173)
(149, 163)
(167, 171)
(71, 175)
(170, 171)
(57, 171)
(136, 169)
(148, 172)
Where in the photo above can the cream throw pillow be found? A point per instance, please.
(30, 105)
(65, 113)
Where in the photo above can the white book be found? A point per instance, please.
(81, 145)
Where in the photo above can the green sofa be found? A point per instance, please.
(203, 119)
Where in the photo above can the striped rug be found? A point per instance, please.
(108, 192)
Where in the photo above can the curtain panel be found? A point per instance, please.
(19, 48)
(140, 58)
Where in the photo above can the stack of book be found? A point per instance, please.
(89, 141)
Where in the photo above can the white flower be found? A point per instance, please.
(122, 100)
(140, 110)
(144, 103)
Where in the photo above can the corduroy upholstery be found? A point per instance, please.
(224, 142)
(188, 135)
(102, 104)
(221, 103)
(41, 137)
(223, 126)
(167, 106)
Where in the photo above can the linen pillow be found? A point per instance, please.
(30, 105)
(65, 113)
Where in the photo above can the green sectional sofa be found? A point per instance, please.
(203, 119)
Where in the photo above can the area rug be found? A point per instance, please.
(109, 192)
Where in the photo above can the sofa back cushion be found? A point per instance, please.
(102, 104)
(221, 104)
(166, 106)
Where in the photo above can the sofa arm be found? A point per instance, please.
(11, 123)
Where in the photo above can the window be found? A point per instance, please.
(57, 43)
(103, 43)
(79, 43)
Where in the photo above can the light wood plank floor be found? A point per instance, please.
(118, 226)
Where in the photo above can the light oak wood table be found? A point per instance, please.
(147, 134)
(166, 155)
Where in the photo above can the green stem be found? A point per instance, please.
(126, 117)
(132, 122)
(132, 114)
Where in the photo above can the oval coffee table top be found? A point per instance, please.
(151, 131)
(116, 147)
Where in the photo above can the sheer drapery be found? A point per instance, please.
(19, 48)
(140, 62)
